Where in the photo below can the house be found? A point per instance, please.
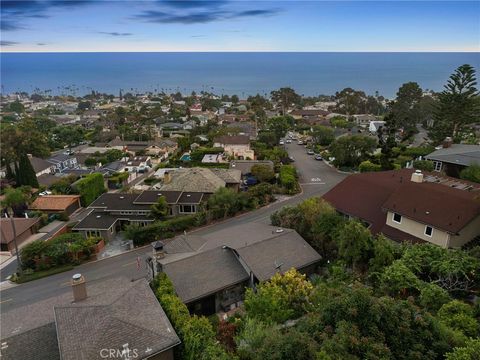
(62, 162)
(56, 204)
(303, 113)
(206, 180)
(115, 318)
(237, 146)
(40, 166)
(24, 228)
(111, 212)
(152, 147)
(210, 273)
(407, 205)
(375, 125)
(453, 158)
(364, 119)
(245, 166)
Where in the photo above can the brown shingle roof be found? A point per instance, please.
(367, 196)
(232, 140)
(21, 225)
(54, 202)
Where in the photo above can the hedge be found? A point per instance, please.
(368, 166)
(425, 165)
(90, 188)
(288, 178)
(196, 332)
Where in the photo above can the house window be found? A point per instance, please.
(187, 209)
(437, 165)
(397, 218)
(428, 230)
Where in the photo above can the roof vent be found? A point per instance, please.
(188, 195)
(159, 194)
(122, 197)
(98, 216)
(279, 230)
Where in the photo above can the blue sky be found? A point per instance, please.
(97, 25)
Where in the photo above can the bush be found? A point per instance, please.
(90, 188)
(288, 178)
(367, 166)
(471, 173)
(425, 165)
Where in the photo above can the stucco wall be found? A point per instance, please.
(439, 237)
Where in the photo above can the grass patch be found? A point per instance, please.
(23, 278)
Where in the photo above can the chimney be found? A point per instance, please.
(79, 288)
(447, 142)
(417, 177)
(158, 250)
(167, 177)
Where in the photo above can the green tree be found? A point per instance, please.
(350, 101)
(160, 209)
(16, 107)
(398, 280)
(458, 104)
(368, 166)
(432, 297)
(459, 316)
(90, 187)
(26, 174)
(405, 111)
(354, 244)
(469, 351)
(285, 97)
(263, 173)
(351, 150)
(323, 135)
(226, 202)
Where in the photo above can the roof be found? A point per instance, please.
(30, 332)
(201, 265)
(194, 180)
(230, 176)
(102, 220)
(39, 164)
(459, 154)
(151, 197)
(279, 253)
(48, 179)
(312, 112)
(433, 204)
(367, 196)
(135, 318)
(190, 198)
(54, 202)
(205, 273)
(245, 166)
(118, 201)
(232, 140)
(21, 225)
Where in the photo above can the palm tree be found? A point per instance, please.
(14, 198)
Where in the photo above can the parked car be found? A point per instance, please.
(282, 142)
(300, 142)
(46, 192)
(291, 158)
(310, 152)
(288, 141)
(318, 157)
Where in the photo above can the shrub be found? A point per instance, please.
(367, 166)
(288, 178)
(90, 188)
(471, 173)
(425, 165)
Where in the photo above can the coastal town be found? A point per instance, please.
(203, 226)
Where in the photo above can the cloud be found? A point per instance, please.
(200, 16)
(8, 43)
(10, 25)
(41, 44)
(114, 33)
(192, 4)
(198, 36)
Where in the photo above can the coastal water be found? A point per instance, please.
(228, 73)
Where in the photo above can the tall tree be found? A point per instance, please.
(285, 97)
(405, 108)
(14, 198)
(386, 140)
(458, 104)
(350, 101)
(27, 174)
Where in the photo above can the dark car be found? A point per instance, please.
(318, 157)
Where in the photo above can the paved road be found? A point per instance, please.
(316, 179)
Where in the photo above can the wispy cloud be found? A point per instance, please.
(200, 16)
(198, 36)
(192, 4)
(8, 43)
(114, 33)
(41, 44)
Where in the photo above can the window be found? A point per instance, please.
(187, 209)
(428, 230)
(397, 218)
(437, 165)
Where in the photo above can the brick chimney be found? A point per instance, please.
(447, 142)
(417, 177)
(79, 287)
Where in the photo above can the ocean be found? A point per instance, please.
(227, 73)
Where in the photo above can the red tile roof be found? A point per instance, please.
(54, 202)
(21, 225)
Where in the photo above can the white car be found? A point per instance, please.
(46, 192)
(288, 141)
(282, 142)
(300, 142)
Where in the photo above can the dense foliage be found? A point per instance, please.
(90, 188)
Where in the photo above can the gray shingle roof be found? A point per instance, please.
(459, 154)
(135, 318)
(245, 166)
(101, 220)
(194, 180)
(118, 201)
(205, 273)
(151, 197)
